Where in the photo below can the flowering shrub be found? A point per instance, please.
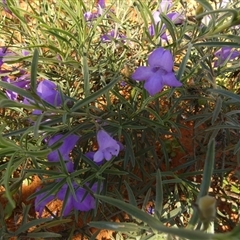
(119, 115)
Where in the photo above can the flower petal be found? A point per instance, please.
(176, 17)
(107, 155)
(156, 17)
(47, 91)
(88, 16)
(166, 62)
(161, 58)
(62, 192)
(105, 140)
(170, 80)
(102, 3)
(69, 201)
(40, 203)
(69, 166)
(153, 59)
(154, 84)
(65, 149)
(69, 205)
(165, 5)
(85, 204)
(142, 73)
(151, 30)
(98, 156)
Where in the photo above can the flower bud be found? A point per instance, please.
(207, 208)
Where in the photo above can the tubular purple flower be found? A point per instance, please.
(25, 52)
(90, 155)
(165, 5)
(39, 204)
(5, 6)
(80, 203)
(89, 16)
(111, 35)
(108, 147)
(159, 73)
(3, 52)
(68, 144)
(176, 18)
(47, 91)
(21, 82)
(225, 53)
(102, 3)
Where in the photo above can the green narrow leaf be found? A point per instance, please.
(37, 125)
(115, 226)
(184, 62)
(146, 199)
(217, 110)
(207, 175)
(41, 235)
(205, 4)
(53, 223)
(15, 10)
(237, 147)
(94, 96)
(159, 195)
(226, 93)
(208, 168)
(217, 44)
(6, 178)
(170, 26)
(86, 76)
(34, 66)
(129, 149)
(153, 222)
(131, 196)
(40, 153)
(30, 224)
(17, 90)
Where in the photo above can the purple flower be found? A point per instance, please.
(158, 73)
(151, 210)
(165, 5)
(156, 19)
(111, 35)
(89, 16)
(25, 52)
(68, 144)
(102, 3)
(46, 90)
(223, 4)
(80, 203)
(3, 52)
(123, 84)
(5, 6)
(39, 204)
(21, 82)
(175, 17)
(90, 155)
(108, 147)
(225, 53)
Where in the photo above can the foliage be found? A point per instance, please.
(73, 116)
